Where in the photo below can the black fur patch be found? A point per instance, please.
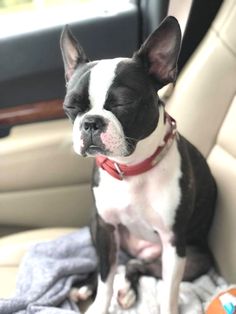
(198, 195)
(132, 98)
(77, 98)
(103, 235)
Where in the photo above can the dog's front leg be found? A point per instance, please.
(172, 274)
(105, 237)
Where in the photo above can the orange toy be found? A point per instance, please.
(220, 304)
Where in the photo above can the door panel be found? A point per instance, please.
(43, 182)
(40, 155)
(60, 206)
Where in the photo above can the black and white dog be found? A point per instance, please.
(153, 190)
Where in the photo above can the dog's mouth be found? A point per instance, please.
(93, 150)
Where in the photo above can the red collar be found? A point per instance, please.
(120, 171)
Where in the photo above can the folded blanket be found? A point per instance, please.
(49, 270)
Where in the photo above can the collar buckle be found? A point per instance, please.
(119, 172)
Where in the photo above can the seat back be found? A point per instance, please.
(204, 105)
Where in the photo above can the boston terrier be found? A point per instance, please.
(153, 191)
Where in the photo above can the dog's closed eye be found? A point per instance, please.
(75, 104)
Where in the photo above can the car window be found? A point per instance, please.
(31, 15)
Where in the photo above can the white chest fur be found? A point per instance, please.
(143, 203)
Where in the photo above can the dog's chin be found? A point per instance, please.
(96, 149)
(93, 151)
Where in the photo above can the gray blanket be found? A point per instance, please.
(47, 273)
(49, 270)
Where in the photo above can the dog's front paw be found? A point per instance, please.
(126, 296)
(80, 294)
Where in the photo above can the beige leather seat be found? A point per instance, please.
(204, 105)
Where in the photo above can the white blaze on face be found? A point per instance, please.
(101, 78)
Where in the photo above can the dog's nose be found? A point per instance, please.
(93, 123)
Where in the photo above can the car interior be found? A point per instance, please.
(44, 186)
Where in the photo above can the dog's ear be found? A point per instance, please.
(72, 53)
(160, 51)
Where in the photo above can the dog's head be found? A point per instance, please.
(113, 103)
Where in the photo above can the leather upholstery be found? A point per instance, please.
(204, 105)
(65, 178)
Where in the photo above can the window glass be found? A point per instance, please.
(20, 16)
